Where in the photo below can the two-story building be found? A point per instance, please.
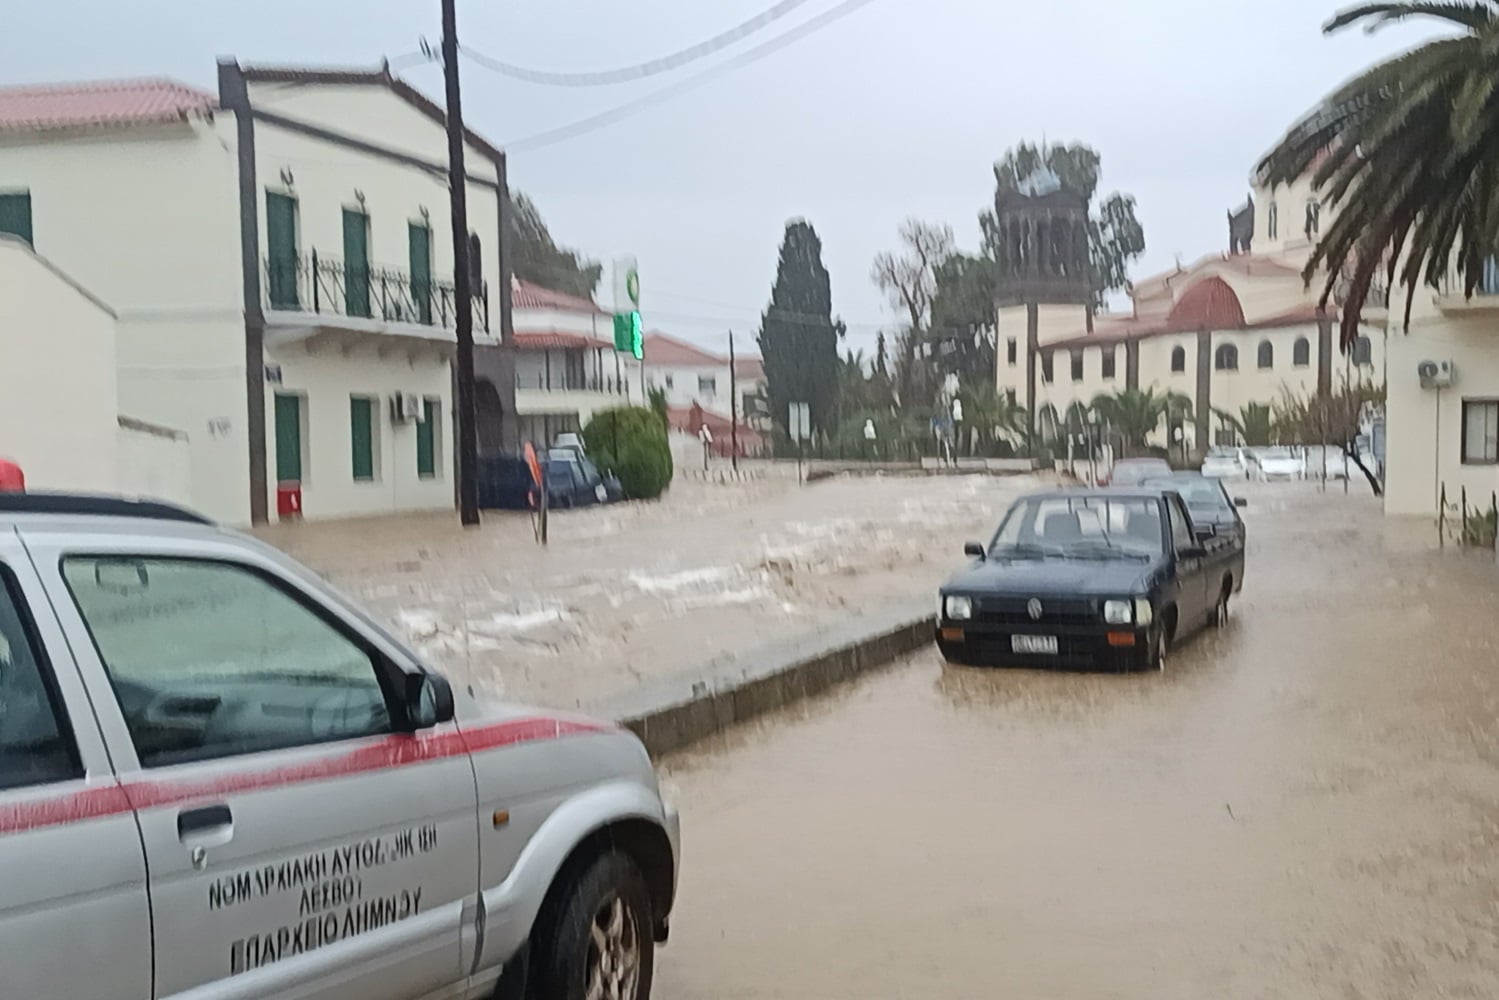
(691, 376)
(278, 256)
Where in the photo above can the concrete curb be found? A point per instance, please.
(681, 710)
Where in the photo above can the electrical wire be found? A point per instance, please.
(609, 117)
(639, 71)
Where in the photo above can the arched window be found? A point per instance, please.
(1178, 359)
(1272, 221)
(1301, 352)
(1313, 218)
(1363, 351)
(1226, 358)
(1266, 354)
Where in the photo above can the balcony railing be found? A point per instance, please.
(559, 382)
(329, 285)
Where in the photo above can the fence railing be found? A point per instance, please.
(563, 383)
(319, 283)
(1468, 522)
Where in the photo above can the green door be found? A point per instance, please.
(288, 438)
(15, 215)
(362, 437)
(421, 271)
(426, 440)
(281, 250)
(356, 263)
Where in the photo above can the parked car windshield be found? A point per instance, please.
(1201, 495)
(1084, 526)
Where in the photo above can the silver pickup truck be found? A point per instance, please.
(219, 779)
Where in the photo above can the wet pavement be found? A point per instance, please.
(1305, 805)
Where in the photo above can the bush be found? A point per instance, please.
(630, 442)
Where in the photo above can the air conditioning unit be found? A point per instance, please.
(1436, 374)
(405, 408)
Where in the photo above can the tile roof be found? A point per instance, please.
(50, 107)
(663, 350)
(526, 295)
(751, 368)
(556, 340)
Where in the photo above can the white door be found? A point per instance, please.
(300, 844)
(74, 917)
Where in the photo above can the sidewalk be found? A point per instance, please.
(635, 593)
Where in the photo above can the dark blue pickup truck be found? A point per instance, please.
(1107, 578)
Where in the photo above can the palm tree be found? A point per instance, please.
(1254, 423)
(1136, 413)
(991, 416)
(1407, 156)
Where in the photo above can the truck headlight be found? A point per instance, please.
(959, 608)
(1144, 613)
(1116, 612)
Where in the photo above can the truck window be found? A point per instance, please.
(35, 745)
(1181, 529)
(211, 660)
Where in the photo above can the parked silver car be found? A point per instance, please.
(219, 779)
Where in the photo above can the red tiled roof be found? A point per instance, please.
(556, 340)
(529, 296)
(750, 368)
(1209, 304)
(692, 418)
(663, 350)
(105, 103)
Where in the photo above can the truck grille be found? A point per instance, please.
(1054, 611)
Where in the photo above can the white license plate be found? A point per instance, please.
(1046, 644)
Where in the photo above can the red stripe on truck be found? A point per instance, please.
(44, 809)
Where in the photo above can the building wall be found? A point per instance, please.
(147, 220)
(1291, 200)
(153, 462)
(325, 380)
(682, 384)
(58, 413)
(1424, 426)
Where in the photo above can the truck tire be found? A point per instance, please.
(597, 942)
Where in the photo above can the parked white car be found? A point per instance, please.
(219, 778)
(1225, 463)
(1278, 463)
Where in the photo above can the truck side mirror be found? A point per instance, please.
(429, 700)
(1240, 502)
(974, 549)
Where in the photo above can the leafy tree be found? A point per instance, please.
(1115, 235)
(1406, 156)
(657, 398)
(631, 442)
(1254, 423)
(1334, 419)
(909, 281)
(963, 320)
(798, 337)
(537, 258)
(1135, 413)
(990, 416)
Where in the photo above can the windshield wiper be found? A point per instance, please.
(1106, 548)
(1029, 550)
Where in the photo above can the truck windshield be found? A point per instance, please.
(1081, 527)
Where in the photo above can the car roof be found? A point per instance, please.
(87, 505)
(1103, 492)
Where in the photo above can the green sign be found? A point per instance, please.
(629, 335)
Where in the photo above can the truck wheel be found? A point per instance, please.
(1160, 641)
(1220, 613)
(598, 943)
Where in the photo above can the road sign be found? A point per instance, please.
(799, 421)
(628, 331)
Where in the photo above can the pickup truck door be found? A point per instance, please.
(297, 846)
(75, 920)
(1191, 577)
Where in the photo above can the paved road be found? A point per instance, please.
(1305, 805)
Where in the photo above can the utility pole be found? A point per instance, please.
(733, 407)
(468, 437)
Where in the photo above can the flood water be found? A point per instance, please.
(1305, 804)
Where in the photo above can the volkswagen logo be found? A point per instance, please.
(1033, 608)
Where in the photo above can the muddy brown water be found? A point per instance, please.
(1305, 805)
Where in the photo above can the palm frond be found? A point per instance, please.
(1470, 15)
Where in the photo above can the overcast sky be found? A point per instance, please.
(898, 109)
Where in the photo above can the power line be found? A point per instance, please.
(639, 71)
(613, 115)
